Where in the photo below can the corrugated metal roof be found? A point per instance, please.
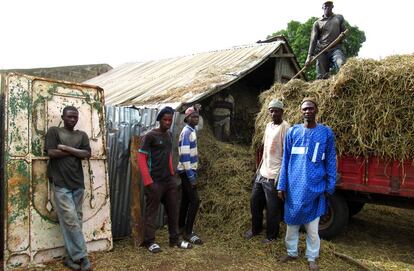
(181, 80)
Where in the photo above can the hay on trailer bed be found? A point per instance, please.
(369, 104)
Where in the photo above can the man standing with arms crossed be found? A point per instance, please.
(66, 148)
(264, 193)
(307, 178)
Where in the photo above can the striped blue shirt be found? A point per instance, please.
(187, 151)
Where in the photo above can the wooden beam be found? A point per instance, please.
(283, 55)
(137, 222)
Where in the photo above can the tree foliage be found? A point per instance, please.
(298, 35)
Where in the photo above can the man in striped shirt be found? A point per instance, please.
(187, 168)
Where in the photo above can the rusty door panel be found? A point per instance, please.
(17, 120)
(32, 105)
(18, 197)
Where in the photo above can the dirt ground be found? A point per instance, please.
(381, 238)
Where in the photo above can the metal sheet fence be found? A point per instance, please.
(122, 123)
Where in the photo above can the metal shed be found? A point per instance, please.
(135, 91)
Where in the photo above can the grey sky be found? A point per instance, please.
(48, 33)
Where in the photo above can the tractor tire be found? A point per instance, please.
(355, 207)
(336, 219)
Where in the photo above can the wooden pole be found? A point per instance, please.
(137, 223)
(332, 44)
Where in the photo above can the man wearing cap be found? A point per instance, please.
(307, 177)
(264, 194)
(187, 168)
(155, 164)
(324, 31)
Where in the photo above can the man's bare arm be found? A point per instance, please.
(56, 153)
(75, 152)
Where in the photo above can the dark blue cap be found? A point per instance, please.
(165, 110)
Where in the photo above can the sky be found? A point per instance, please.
(48, 33)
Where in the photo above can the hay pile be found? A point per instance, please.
(369, 104)
(225, 185)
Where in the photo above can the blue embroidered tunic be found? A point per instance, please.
(308, 170)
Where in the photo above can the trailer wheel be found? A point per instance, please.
(336, 219)
(355, 207)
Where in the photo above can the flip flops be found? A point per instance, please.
(181, 244)
(194, 239)
(154, 248)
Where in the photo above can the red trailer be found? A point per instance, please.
(367, 180)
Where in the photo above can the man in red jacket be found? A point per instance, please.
(155, 164)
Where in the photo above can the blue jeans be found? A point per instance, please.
(332, 59)
(313, 242)
(68, 204)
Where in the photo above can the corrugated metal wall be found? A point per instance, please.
(122, 123)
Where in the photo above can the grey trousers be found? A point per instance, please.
(68, 204)
(333, 59)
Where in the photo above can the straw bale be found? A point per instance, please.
(369, 104)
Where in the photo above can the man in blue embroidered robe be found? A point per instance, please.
(307, 178)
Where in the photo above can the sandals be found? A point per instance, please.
(154, 248)
(181, 244)
(194, 239)
(249, 234)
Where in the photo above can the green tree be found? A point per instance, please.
(298, 36)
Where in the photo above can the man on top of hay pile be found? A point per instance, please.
(264, 193)
(155, 165)
(66, 148)
(307, 177)
(325, 30)
(187, 168)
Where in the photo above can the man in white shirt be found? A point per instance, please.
(264, 193)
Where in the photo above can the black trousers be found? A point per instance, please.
(165, 192)
(190, 202)
(264, 195)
